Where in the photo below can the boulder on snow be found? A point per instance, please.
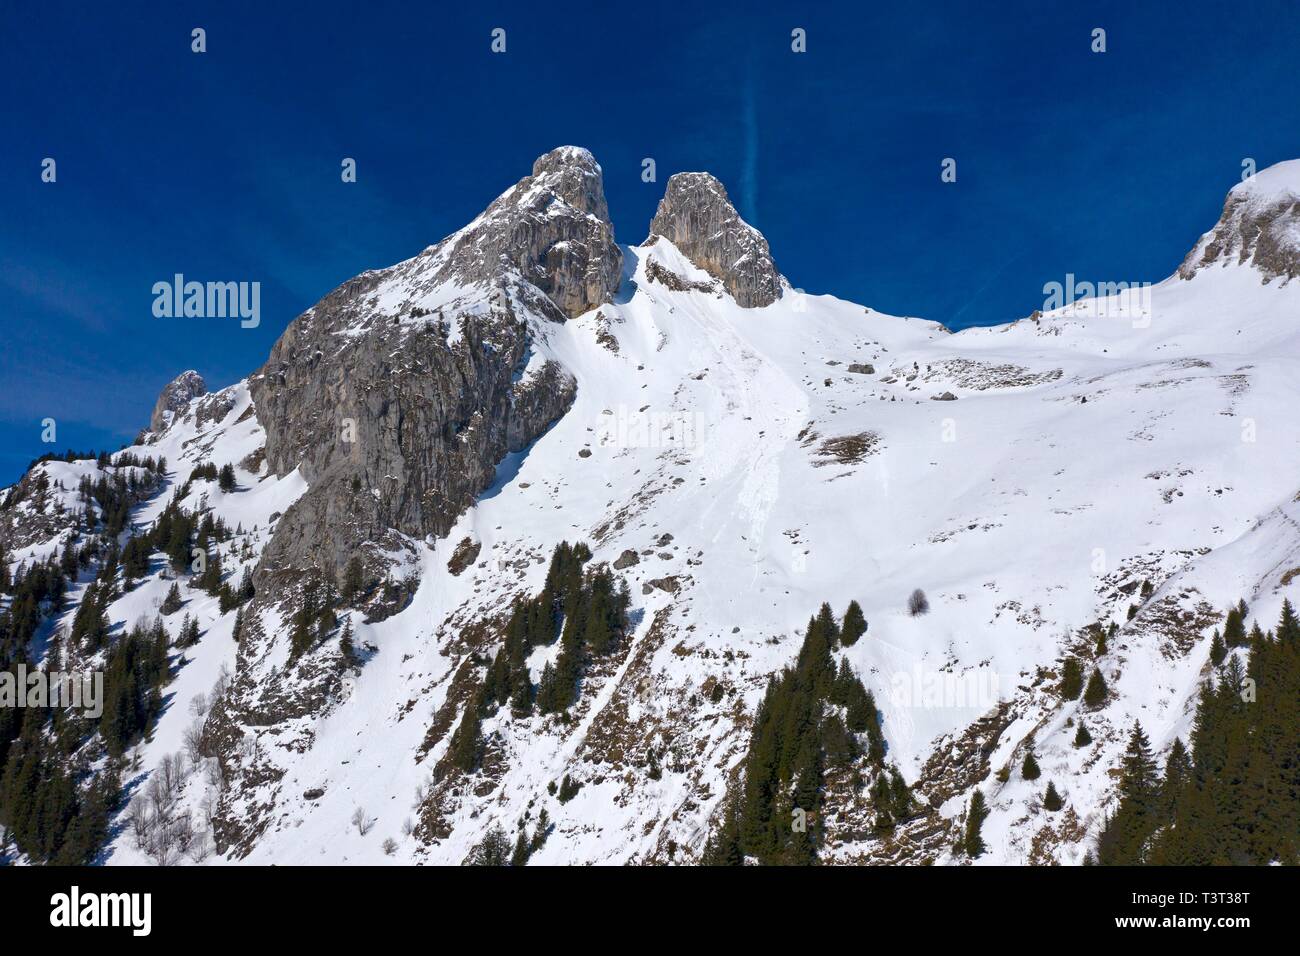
(466, 553)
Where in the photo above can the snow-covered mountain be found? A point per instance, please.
(738, 452)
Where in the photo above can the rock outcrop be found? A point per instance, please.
(177, 395)
(1260, 225)
(398, 393)
(696, 216)
(395, 429)
(552, 229)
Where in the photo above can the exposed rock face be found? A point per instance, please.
(698, 218)
(1260, 225)
(396, 421)
(180, 392)
(395, 429)
(552, 228)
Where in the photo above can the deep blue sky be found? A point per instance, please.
(225, 165)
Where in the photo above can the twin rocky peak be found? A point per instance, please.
(553, 228)
(569, 252)
(431, 419)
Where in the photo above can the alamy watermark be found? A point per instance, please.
(208, 300)
(75, 909)
(1106, 300)
(626, 428)
(930, 689)
(38, 688)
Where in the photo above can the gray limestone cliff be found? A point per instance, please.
(397, 395)
(552, 229)
(696, 216)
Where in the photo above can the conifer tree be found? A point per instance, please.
(1052, 799)
(900, 795)
(1288, 628)
(246, 589)
(599, 632)
(973, 844)
(346, 646)
(495, 850)
(1218, 650)
(1178, 774)
(1124, 839)
(541, 832)
(1029, 769)
(1081, 736)
(1096, 693)
(210, 579)
(837, 742)
(353, 580)
(1256, 638)
(521, 693)
(568, 789)
(1234, 628)
(854, 626)
(723, 845)
(520, 855)
(172, 602)
(189, 632)
(1138, 768)
(1071, 679)
(826, 624)
(548, 696)
(466, 744)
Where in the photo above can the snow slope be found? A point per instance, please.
(1020, 528)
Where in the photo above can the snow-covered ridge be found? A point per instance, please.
(1273, 181)
(1260, 225)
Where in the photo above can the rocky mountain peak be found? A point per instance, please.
(698, 218)
(573, 174)
(551, 228)
(1260, 225)
(432, 412)
(182, 390)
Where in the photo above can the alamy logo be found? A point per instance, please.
(642, 429)
(208, 300)
(38, 688)
(930, 689)
(1119, 300)
(74, 909)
